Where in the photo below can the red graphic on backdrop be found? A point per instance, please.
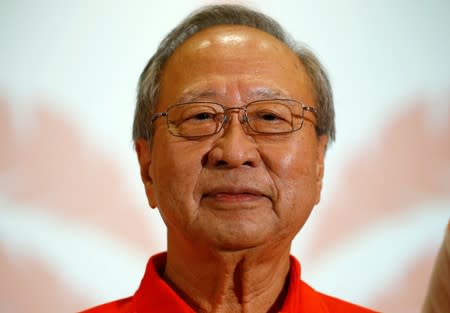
(48, 165)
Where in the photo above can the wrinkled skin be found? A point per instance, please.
(232, 198)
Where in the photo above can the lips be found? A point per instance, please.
(233, 194)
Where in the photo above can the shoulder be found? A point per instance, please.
(336, 305)
(150, 293)
(332, 304)
(307, 299)
(118, 306)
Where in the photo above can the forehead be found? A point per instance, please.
(235, 61)
(232, 36)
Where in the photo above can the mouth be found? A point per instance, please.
(233, 194)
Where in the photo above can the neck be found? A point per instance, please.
(250, 280)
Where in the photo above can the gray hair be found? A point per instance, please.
(227, 14)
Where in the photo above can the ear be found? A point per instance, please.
(144, 154)
(320, 164)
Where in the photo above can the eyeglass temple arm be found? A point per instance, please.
(314, 111)
(310, 109)
(158, 115)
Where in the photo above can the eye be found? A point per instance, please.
(202, 116)
(194, 113)
(268, 116)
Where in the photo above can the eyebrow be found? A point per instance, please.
(267, 93)
(260, 93)
(195, 95)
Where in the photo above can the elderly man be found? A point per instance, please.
(231, 127)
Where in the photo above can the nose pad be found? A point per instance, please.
(234, 147)
(241, 117)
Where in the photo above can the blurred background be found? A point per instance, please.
(75, 228)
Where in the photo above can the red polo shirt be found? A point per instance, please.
(155, 295)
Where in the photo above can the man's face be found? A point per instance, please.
(233, 190)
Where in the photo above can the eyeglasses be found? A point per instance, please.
(202, 118)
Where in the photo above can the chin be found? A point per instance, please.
(239, 239)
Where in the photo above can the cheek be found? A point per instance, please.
(175, 169)
(296, 181)
(297, 192)
(293, 169)
(292, 163)
(296, 165)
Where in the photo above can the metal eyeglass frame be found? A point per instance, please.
(313, 110)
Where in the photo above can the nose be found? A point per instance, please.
(234, 148)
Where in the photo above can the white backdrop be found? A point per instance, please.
(75, 229)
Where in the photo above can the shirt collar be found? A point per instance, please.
(155, 295)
